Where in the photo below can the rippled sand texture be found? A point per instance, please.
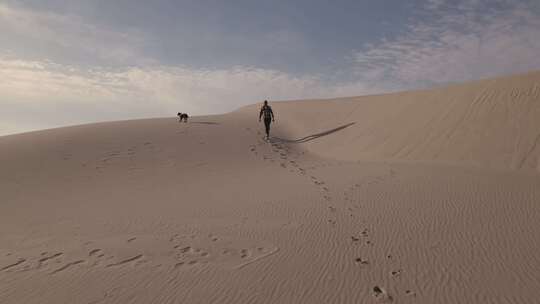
(417, 197)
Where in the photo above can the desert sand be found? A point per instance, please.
(428, 196)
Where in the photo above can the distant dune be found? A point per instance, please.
(418, 197)
(491, 123)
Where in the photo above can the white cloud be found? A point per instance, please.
(122, 82)
(61, 95)
(463, 40)
(42, 93)
(67, 35)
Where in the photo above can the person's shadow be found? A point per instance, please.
(313, 136)
(205, 122)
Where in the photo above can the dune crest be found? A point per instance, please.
(490, 123)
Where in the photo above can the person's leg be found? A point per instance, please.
(267, 127)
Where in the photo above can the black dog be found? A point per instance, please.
(182, 116)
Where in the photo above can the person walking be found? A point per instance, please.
(266, 112)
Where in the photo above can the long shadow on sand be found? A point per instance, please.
(205, 122)
(313, 136)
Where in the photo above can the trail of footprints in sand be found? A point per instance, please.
(193, 250)
(365, 263)
(287, 160)
(364, 240)
(181, 251)
(379, 293)
(53, 263)
(124, 155)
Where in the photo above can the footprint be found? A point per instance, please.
(396, 273)
(381, 295)
(410, 293)
(94, 251)
(131, 239)
(45, 259)
(125, 261)
(66, 266)
(362, 262)
(185, 249)
(19, 262)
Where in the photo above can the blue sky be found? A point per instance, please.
(69, 62)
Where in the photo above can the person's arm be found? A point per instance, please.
(260, 114)
(272, 113)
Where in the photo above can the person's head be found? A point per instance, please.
(266, 102)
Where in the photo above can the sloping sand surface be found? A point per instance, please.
(491, 123)
(418, 197)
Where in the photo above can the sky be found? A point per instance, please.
(66, 62)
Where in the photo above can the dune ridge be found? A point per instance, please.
(491, 123)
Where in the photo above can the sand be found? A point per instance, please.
(417, 197)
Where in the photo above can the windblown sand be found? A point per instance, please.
(417, 197)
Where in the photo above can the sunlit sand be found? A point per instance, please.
(416, 197)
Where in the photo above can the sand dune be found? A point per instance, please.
(417, 197)
(490, 123)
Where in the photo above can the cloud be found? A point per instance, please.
(455, 41)
(57, 95)
(461, 40)
(109, 77)
(434, 4)
(67, 36)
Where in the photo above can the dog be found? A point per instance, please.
(182, 116)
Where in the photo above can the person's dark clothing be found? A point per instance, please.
(267, 122)
(266, 112)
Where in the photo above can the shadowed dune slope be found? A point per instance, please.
(491, 123)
